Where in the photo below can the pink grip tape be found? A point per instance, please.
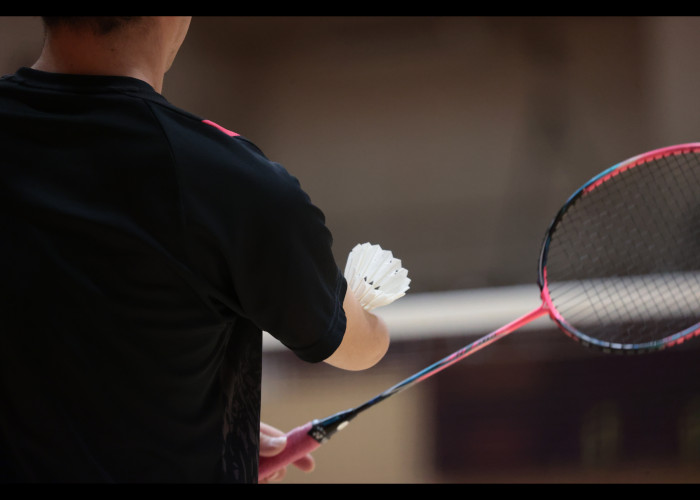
(299, 443)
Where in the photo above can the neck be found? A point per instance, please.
(136, 51)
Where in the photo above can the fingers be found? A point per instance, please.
(306, 463)
(276, 476)
(272, 442)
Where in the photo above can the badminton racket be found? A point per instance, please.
(618, 270)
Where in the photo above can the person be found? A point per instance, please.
(144, 251)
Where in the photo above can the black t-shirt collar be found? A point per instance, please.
(84, 83)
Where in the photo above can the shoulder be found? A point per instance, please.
(203, 147)
(219, 167)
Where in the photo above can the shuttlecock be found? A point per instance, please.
(375, 276)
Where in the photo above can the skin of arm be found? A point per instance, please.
(366, 339)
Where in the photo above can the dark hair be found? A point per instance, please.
(101, 25)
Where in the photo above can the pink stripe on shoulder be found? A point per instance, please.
(216, 125)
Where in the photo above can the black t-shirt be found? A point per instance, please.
(143, 252)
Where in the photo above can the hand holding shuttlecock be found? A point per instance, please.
(375, 276)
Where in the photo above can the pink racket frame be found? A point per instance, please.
(595, 182)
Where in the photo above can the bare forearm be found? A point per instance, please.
(366, 338)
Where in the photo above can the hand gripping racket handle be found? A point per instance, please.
(299, 443)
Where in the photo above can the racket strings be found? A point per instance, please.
(623, 262)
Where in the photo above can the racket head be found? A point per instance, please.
(619, 267)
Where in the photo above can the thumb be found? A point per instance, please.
(272, 445)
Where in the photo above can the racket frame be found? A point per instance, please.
(542, 282)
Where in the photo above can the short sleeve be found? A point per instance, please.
(268, 247)
(284, 272)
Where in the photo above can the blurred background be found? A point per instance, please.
(452, 141)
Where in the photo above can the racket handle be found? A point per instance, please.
(299, 443)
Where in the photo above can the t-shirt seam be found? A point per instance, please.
(175, 165)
